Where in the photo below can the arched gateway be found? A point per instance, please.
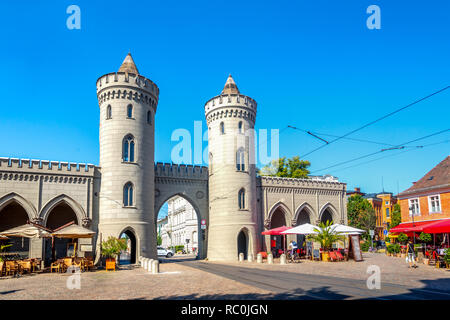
(189, 182)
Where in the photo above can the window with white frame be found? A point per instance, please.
(414, 208)
(434, 204)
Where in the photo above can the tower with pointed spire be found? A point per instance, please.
(233, 220)
(128, 104)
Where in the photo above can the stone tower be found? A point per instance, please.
(233, 228)
(127, 103)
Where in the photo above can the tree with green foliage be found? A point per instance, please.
(396, 216)
(288, 168)
(425, 237)
(159, 240)
(361, 214)
(402, 238)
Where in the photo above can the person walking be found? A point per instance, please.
(411, 255)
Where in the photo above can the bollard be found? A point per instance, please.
(250, 257)
(270, 258)
(241, 257)
(145, 263)
(259, 258)
(150, 265)
(155, 266)
(283, 259)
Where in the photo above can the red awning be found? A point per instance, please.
(441, 226)
(275, 231)
(409, 227)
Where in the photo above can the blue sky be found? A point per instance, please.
(309, 64)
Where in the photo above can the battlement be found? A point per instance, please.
(230, 100)
(33, 165)
(314, 182)
(181, 171)
(124, 79)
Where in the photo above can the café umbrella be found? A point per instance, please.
(28, 230)
(73, 231)
(305, 228)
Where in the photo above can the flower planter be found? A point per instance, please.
(325, 256)
(110, 264)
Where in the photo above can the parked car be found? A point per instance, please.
(164, 252)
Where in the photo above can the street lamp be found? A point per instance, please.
(187, 246)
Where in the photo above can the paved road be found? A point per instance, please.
(289, 285)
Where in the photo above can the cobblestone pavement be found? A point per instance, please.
(179, 281)
(393, 270)
(174, 282)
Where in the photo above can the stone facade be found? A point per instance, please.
(179, 225)
(126, 191)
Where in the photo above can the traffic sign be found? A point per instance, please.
(203, 222)
(371, 232)
(385, 232)
(203, 226)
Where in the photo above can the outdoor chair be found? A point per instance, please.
(11, 267)
(333, 256)
(25, 265)
(340, 256)
(78, 263)
(88, 264)
(55, 266)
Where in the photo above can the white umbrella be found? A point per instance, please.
(305, 228)
(73, 231)
(28, 230)
(346, 230)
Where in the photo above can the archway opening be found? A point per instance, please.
(278, 220)
(60, 215)
(302, 218)
(242, 244)
(178, 228)
(11, 216)
(327, 215)
(128, 256)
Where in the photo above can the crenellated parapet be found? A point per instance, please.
(230, 105)
(123, 85)
(314, 183)
(180, 171)
(45, 166)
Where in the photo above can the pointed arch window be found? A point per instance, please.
(222, 128)
(240, 126)
(240, 159)
(241, 198)
(149, 117)
(128, 149)
(130, 111)
(128, 194)
(108, 112)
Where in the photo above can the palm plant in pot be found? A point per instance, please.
(326, 236)
(2, 247)
(111, 249)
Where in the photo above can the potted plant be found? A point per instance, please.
(111, 249)
(447, 257)
(326, 236)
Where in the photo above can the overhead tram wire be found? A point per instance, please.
(347, 138)
(391, 155)
(399, 146)
(376, 120)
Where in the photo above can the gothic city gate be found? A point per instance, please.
(189, 182)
